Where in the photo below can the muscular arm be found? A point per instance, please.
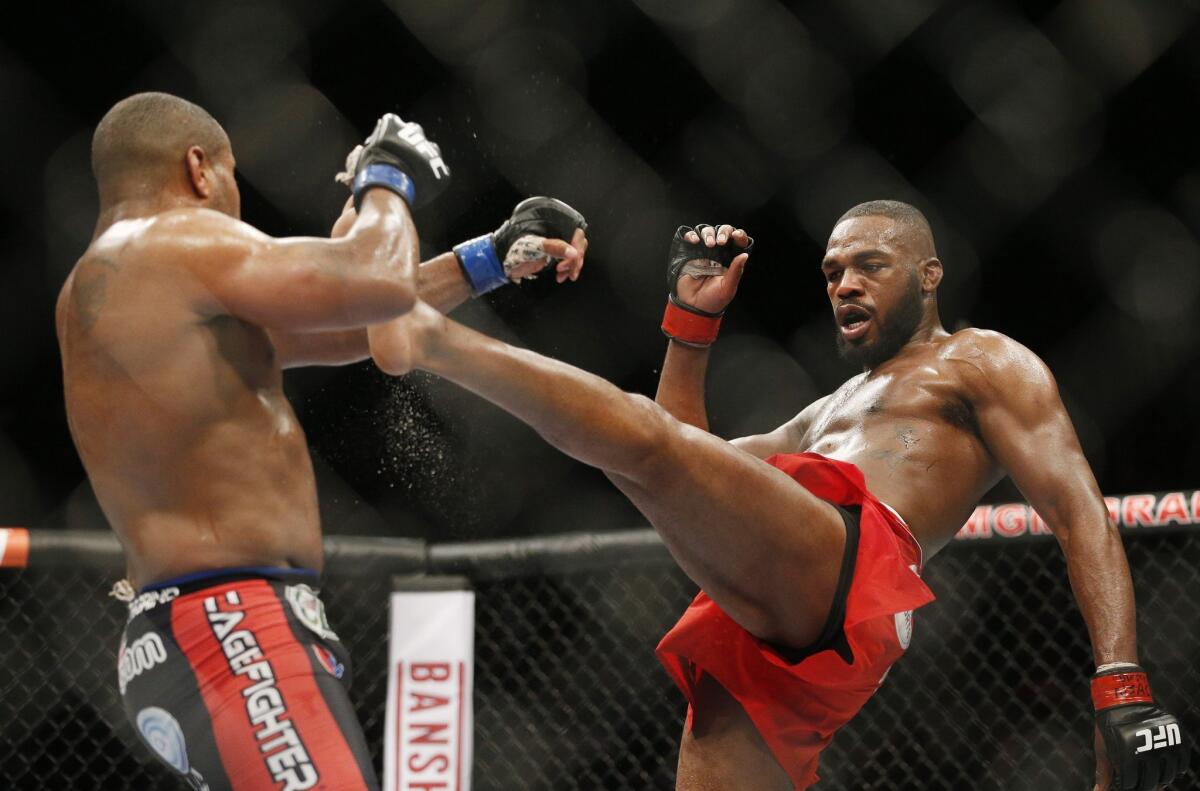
(299, 284)
(440, 282)
(681, 385)
(681, 393)
(1025, 426)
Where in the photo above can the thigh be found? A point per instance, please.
(165, 707)
(765, 549)
(264, 704)
(723, 748)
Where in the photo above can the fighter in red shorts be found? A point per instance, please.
(808, 541)
(174, 328)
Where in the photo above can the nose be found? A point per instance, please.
(848, 285)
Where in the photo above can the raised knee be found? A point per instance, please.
(651, 432)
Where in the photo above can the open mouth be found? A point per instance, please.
(852, 320)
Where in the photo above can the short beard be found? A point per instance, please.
(893, 334)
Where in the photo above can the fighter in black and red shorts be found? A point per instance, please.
(235, 680)
(175, 326)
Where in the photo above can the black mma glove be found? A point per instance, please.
(398, 157)
(491, 260)
(1143, 742)
(685, 323)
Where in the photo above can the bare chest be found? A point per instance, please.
(905, 408)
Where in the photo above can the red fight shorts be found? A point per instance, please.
(796, 702)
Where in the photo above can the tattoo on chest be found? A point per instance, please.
(895, 459)
(888, 456)
(90, 288)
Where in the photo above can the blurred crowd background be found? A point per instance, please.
(1050, 143)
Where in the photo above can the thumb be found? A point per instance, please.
(736, 267)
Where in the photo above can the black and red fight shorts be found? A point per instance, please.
(798, 698)
(234, 680)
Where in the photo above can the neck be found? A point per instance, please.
(132, 207)
(929, 328)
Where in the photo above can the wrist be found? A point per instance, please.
(1120, 685)
(690, 326)
(480, 264)
(688, 349)
(386, 176)
(1114, 666)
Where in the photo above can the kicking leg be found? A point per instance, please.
(764, 548)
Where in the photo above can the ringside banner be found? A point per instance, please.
(428, 732)
(1132, 512)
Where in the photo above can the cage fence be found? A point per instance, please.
(568, 695)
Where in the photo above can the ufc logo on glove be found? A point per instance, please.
(1167, 736)
(415, 137)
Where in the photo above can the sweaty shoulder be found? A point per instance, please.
(190, 234)
(198, 244)
(985, 362)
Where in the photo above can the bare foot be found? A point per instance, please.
(402, 344)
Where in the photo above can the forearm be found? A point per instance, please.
(441, 283)
(681, 385)
(1099, 574)
(385, 237)
(334, 347)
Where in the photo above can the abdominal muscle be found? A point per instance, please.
(933, 486)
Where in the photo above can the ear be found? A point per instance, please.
(199, 172)
(930, 271)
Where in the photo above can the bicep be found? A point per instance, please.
(1025, 426)
(299, 283)
(308, 284)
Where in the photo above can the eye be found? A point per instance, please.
(871, 267)
(833, 276)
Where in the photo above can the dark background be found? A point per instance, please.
(1051, 145)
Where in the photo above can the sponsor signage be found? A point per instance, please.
(1132, 512)
(428, 736)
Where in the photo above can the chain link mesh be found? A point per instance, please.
(992, 693)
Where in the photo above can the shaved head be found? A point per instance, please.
(144, 139)
(911, 228)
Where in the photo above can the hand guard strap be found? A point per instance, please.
(386, 176)
(1120, 688)
(481, 265)
(690, 326)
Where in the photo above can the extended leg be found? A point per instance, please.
(764, 548)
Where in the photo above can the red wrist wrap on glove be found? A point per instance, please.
(691, 328)
(1119, 689)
